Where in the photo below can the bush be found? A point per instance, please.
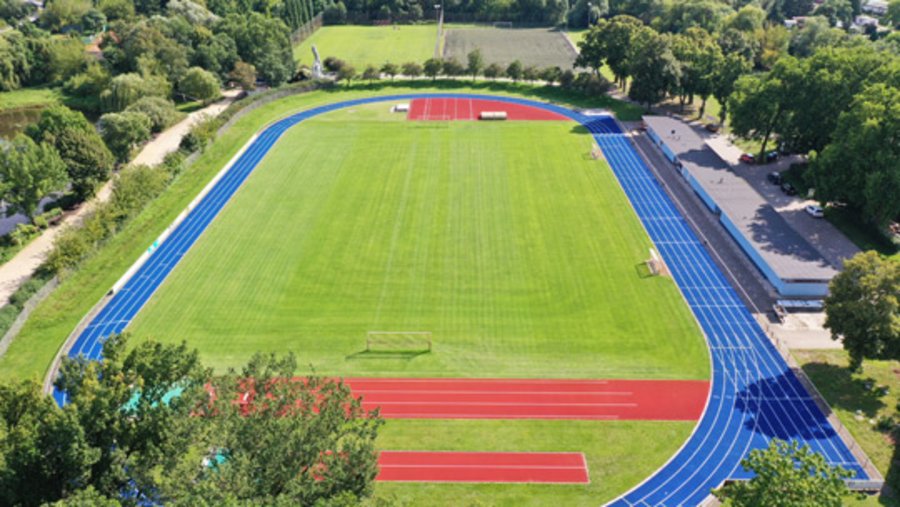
(200, 135)
(161, 111)
(591, 84)
(22, 233)
(335, 14)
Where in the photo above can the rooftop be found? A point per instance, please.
(789, 255)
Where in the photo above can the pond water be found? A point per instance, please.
(13, 121)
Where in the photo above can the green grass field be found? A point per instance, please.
(370, 45)
(507, 242)
(531, 46)
(619, 455)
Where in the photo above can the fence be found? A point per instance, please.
(29, 307)
(304, 31)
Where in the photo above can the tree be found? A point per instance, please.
(412, 69)
(124, 131)
(705, 14)
(585, 13)
(475, 63)
(263, 42)
(389, 69)
(44, 452)
(863, 308)
(244, 74)
(618, 35)
(699, 57)
(66, 58)
(530, 73)
(29, 172)
(162, 112)
(551, 74)
(860, 167)
(295, 441)
(199, 84)
(346, 74)
(452, 68)
(217, 54)
(816, 33)
(493, 71)
(433, 68)
(787, 475)
(893, 13)
(653, 67)
(370, 73)
(592, 48)
(730, 69)
(514, 70)
(836, 11)
(760, 104)
(87, 160)
(125, 89)
(63, 13)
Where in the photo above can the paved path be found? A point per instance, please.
(20, 268)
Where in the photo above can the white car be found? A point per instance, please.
(815, 211)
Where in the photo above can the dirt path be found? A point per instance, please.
(20, 268)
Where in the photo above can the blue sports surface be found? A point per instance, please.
(754, 397)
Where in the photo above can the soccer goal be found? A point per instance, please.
(656, 265)
(398, 341)
(503, 24)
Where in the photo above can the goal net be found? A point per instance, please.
(503, 24)
(656, 265)
(398, 341)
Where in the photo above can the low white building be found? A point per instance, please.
(876, 7)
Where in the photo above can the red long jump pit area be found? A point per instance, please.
(656, 400)
(510, 467)
(447, 109)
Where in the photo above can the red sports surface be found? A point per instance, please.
(468, 109)
(543, 467)
(658, 400)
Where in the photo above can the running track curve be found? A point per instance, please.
(754, 396)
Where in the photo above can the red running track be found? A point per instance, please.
(658, 400)
(538, 467)
(447, 109)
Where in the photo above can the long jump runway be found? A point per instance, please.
(505, 467)
(754, 395)
(659, 400)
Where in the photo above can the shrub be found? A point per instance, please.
(200, 135)
(22, 233)
(161, 111)
(335, 14)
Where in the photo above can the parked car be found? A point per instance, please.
(774, 178)
(815, 211)
(788, 189)
(771, 156)
(712, 127)
(747, 158)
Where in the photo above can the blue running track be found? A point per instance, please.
(754, 395)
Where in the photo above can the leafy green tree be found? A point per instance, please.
(893, 13)
(346, 74)
(412, 69)
(515, 70)
(618, 35)
(59, 14)
(88, 497)
(816, 33)
(148, 48)
(452, 68)
(217, 54)
(116, 9)
(787, 475)
(745, 44)
(124, 131)
(121, 405)
(531, 73)
(66, 58)
(493, 71)
(370, 73)
(551, 74)
(699, 57)
(44, 452)
(244, 74)
(859, 166)
(13, 11)
(585, 13)
(706, 14)
(161, 111)
(93, 21)
(654, 69)
(389, 69)
(748, 18)
(126, 89)
(262, 42)
(433, 68)
(475, 63)
(836, 11)
(199, 84)
(87, 160)
(592, 48)
(863, 308)
(761, 103)
(296, 441)
(29, 172)
(730, 69)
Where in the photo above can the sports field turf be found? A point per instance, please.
(370, 45)
(507, 242)
(619, 455)
(531, 46)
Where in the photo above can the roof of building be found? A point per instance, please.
(789, 255)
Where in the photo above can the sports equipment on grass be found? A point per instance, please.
(398, 341)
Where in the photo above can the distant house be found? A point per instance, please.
(795, 22)
(862, 21)
(876, 7)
